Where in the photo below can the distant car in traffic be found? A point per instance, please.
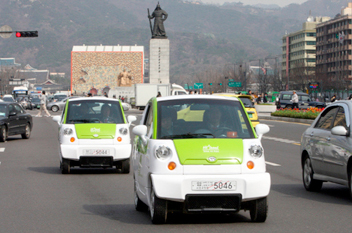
(14, 120)
(199, 154)
(8, 98)
(35, 101)
(326, 148)
(93, 132)
(59, 105)
(305, 102)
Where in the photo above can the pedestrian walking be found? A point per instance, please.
(294, 100)
(43, 106)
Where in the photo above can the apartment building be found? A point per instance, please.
(334, 47)
(299, 49)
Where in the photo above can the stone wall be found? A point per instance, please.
(101, 71)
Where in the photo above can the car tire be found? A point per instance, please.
(350, 182)
(158, 208)
(138, 204)
(309, 183)
(55, 108)
(259, 210)
(65, 166)
(125, 166)
(3, 133)
(27, 132)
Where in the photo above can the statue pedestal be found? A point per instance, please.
(159, 61)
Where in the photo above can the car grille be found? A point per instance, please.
(87, 161)
(213, 203)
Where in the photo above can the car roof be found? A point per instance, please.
(93, 98)
(233, 95)
(177, 97)
(8, 96)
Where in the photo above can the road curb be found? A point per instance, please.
(288, 119)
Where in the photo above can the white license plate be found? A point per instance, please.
(96, 152)
(222, 185)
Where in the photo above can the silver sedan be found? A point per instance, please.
(326, 148)
(56, 106)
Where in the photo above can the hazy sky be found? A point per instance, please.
(281, 3)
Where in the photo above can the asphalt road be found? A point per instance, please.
(36, 197)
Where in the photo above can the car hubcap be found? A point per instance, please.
(307, 172)
(27, 131)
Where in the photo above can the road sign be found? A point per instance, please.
(190, 88)
(235, 84)
(186, 86)
(5, 31)
(231, 80)
(198, 86)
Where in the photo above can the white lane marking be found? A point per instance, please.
(273, 164)
(281, 140)
(2, 149)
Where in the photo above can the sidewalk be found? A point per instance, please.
(267, 116)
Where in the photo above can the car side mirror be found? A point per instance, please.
(141, 131)
(13, 114)
(339, 130)
(262, 129)
(131, 118)
(57, 119)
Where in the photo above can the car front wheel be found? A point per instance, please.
(309, 183)
(259, 210)
(3, 133)
(27, 132)
(55, 108)
(158, 208)
(65, 166)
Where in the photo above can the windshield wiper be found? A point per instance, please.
(188, 135)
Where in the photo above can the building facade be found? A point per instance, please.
(97, 69)
(334, 47)
(299, 51)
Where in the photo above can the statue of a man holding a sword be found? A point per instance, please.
(159, 17)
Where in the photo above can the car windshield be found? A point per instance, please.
(202, 118)
(8, 99)
(94, 111)
(3, 110)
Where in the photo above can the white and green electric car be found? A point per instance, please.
(197, 154)
(93, 132)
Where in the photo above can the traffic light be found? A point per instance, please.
(220, 84)
(27, 34)
(210, 84)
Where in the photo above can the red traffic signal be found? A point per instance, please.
(27, 34)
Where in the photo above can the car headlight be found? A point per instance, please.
(256, 151)
(163, 152)
(123, 131)
(68, 131)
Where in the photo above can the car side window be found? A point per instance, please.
(11, 108)
(18, 109)
(304, 98)
(340, 119)
(326, 119)
(286, 97)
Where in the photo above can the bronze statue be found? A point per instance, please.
(159, 17)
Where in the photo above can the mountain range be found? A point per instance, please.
(201, 37)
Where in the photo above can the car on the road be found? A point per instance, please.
(93, 132)
(248, 104)
(326, 148)
(35, 101)
(14, 120)
(8, 98)
(24, 102)
(304, 101)
(199, 154)
(59, 105)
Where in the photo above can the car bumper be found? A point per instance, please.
(76, 152)
(176, 187)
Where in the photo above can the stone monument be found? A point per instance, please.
(159, 48)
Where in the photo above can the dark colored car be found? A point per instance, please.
(284, 100)
(35, 102)
(14, 120)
